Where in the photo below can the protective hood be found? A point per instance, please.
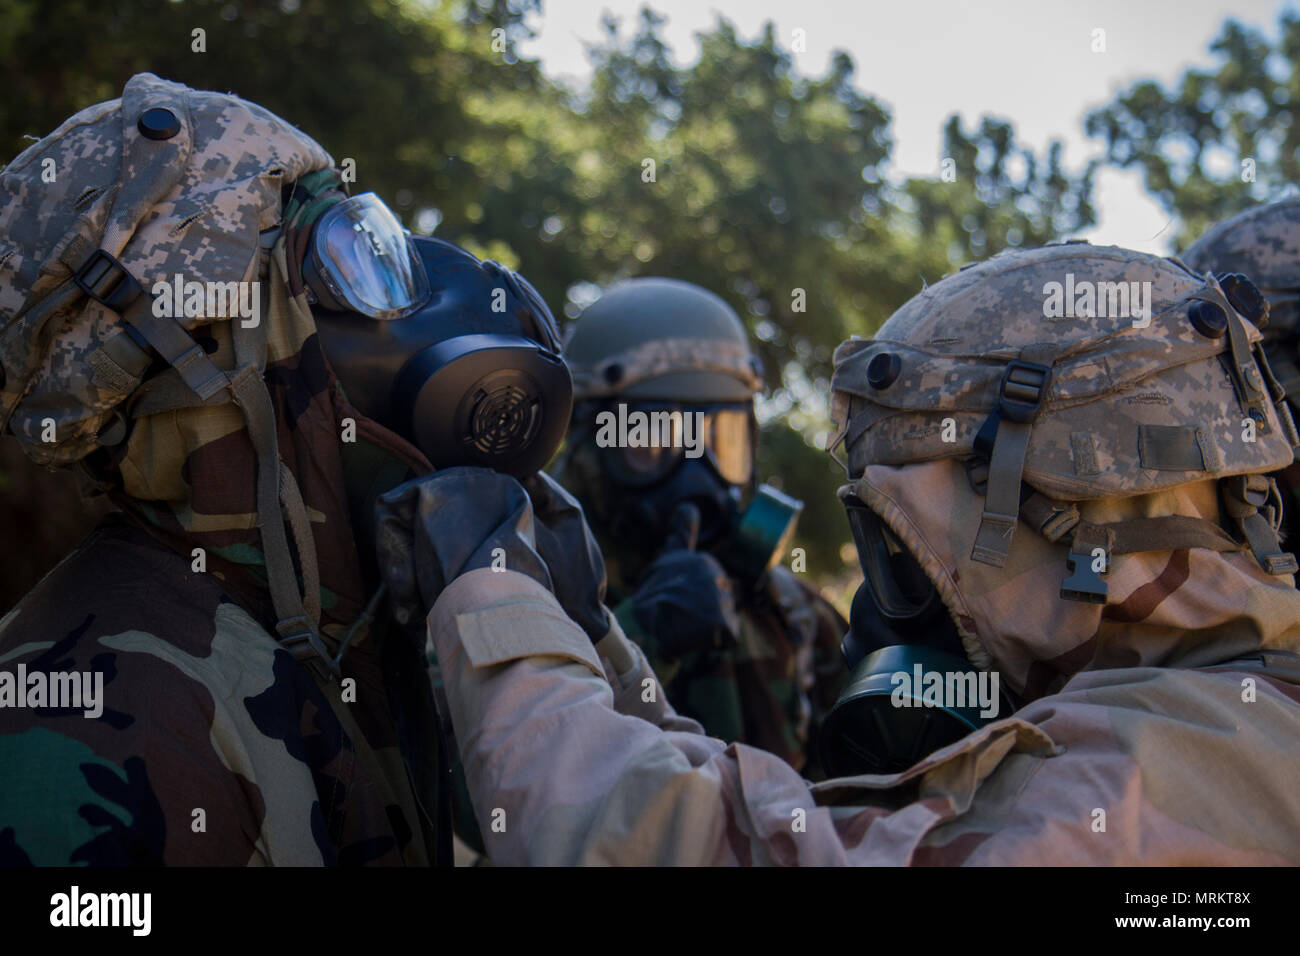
(1190, 607)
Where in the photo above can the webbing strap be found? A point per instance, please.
(111, 284)
(1253, 502)
(1084, 583)
(166, 392)
(176, 347)
(304, 541)
(1278, 393)
(1160, 533)
(1002, 501)
(1246, 372)
(297, 630)
(1020, 396)
(1051, 518)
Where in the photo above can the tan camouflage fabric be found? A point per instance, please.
(653, 359)
(774, 688)
(1013, 619)
(1191, 762)
(1109, 378)
(1264, 244)
(193, 204)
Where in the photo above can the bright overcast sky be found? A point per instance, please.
(1029, 61)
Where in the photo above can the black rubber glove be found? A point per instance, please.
(569, 549)
(438, 527)
(685, 600)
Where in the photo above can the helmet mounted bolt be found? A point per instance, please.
(158, 123)
(1208, 319)
(883, 370)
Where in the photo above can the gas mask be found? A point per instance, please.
(653, 479)
(655, 472)
(898, 625)
(457, 355)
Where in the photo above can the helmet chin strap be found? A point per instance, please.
(195, 380)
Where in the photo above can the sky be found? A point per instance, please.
(1028, 61)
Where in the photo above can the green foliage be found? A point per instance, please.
(1190, 141)
(379, 81)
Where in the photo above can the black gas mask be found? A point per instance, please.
(748, 528)
(458, 355)
(898, 624)
(658, 456)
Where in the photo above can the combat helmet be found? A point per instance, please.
(1262, 244)
(654, 338)
(1073, 442)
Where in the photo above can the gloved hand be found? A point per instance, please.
(569, 549)
(435, 528)
(685, 601)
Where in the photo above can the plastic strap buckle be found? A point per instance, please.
(1020, 396)
(107, 281)
(299, 637)
(1083, 583)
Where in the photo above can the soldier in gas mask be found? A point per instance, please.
(1061, 507)
(662, 453)
(197, 316)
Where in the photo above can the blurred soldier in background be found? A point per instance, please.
(1263, 243)
(699, 580)
(1056, 506)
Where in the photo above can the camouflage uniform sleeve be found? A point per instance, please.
(566, 780)
(637, 691)
(560, 778)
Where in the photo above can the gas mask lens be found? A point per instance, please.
(729, 440)
(361, 260)
(660, 437)
(899, 587)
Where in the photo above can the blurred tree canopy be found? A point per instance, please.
(1222, 138)
(735, 171)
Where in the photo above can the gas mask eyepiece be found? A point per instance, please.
(459, 356)
(360, 260)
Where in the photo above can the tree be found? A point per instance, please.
(1222, 138)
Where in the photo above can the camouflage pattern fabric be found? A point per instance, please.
(193, 204)
(214, 746)
(651, 360)
(774, 688)
(1109, 377)
(1189, 763)
(203, 710)
(1158, 728)
(1263, 243)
